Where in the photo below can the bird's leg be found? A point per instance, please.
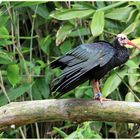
(97, 92)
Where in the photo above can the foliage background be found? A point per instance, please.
(32, 34)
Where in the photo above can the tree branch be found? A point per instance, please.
(76, 110)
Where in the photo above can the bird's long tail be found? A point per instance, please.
(70, 78)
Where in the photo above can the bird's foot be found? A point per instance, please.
(100, 98)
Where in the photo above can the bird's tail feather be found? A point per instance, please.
(68, 81)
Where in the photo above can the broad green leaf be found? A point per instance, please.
(4, 42)
(45, 44)
(82, 5)
(62, 33)
(41, 63)
(73, 135)
(3, 20)
(41, 10)
(5, 59)
(87, 132)
(25, 4)
(100, 4)
(119, 13)
(65, 47)
(132, 78)
(80, 32)
(129, 97)
(1, 135)
(136, 88)
(14, 93)
(131, 15)
(131, 64)
(36, 70)
(4, 36)
(97, 24)
(113, 28)
(13, 74)
(3, 31)
(84, 132)
(112, 82)
(41, 89)
(131, 27)
(67, 14)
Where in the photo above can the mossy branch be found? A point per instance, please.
(75, 110)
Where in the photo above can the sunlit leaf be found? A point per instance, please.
(62, 33)
(119, 13)
(132, 78)
(5, 59)
(13, 74)
(131, 64)
(97, 24)
(71, 13)
(113, 82)
(131, 28)
(3, 31)
(129, 97)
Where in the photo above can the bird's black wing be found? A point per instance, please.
(78, 62)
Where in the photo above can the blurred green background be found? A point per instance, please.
(32, 34)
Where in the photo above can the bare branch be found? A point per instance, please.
(76, 110)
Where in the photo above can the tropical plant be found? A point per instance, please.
(32, 34)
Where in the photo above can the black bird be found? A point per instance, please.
(90, 62)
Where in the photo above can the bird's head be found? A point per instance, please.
(123, 40)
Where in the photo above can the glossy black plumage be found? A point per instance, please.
(87, 61)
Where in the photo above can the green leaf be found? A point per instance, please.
(13, 74)
(45, 44)
(80, 32)
(3, 20)
(129, 97)
(132, 72)
(132, 78)
(4, 42)
(25, 4)
(113, 82)
(41, 11)
(14, 93)
(131, 27)
(131, 64)
(67, 14)
(41, 88)
(5, 59)
(62, 33)
(60, 132)
(65, 47)
(73, 135)
(97, 24)
(3, 31)
(119, 13)
(137, 88)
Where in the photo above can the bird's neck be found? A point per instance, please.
(117, 45)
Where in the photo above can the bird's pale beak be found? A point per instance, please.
(132, 44)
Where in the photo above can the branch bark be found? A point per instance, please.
(76, 110)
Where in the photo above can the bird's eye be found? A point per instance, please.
(123, 38)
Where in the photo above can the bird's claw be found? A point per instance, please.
(100, 98)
